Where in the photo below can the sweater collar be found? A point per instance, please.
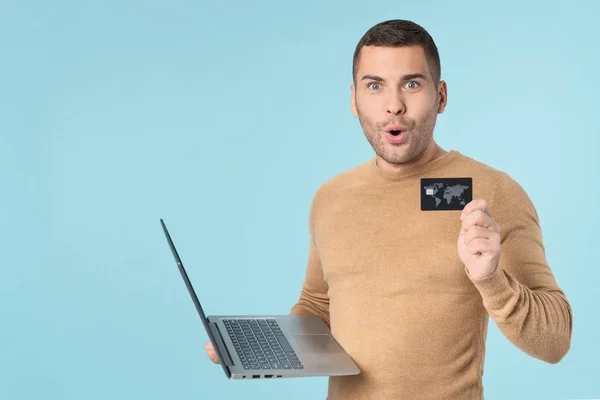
(398, 174)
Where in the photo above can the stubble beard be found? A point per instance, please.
(419, 135)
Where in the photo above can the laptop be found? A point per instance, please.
(270, 346)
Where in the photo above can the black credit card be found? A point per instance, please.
(442, 194)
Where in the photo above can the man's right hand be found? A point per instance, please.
(210, 350)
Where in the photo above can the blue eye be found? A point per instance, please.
(370, 85)
(416, 84)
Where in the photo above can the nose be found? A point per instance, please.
(396, 104)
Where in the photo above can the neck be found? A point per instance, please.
(432, 152)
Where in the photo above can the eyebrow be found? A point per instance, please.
(404, 78)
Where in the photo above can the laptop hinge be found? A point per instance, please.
(220, 344)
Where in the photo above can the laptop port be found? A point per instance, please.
(279, 376)
(256, 376)
(268, 376)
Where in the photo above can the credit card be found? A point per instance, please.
(443, 194)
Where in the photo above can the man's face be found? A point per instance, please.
(394, 90)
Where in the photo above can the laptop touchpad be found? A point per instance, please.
(317, 343)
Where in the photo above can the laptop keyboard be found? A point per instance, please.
(261, 344)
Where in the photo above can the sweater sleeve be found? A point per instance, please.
(313, 295)
(521, 295)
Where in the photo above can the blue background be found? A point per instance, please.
(224, 120)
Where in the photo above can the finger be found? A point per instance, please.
(474, 232)
(481, 246)
(479, 218)
(477, 204)
(208, 346)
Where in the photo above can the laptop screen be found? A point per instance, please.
(193, 294)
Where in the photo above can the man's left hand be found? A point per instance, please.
(478, 243)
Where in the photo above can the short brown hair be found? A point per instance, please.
(397, 33)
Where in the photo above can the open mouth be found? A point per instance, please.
(395, 133)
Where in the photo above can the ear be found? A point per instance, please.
(353, 100)
(442, 96)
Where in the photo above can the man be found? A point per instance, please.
(407, 292)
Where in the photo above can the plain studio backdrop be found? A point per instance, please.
(223, 118)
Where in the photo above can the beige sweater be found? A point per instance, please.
(387, 279)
